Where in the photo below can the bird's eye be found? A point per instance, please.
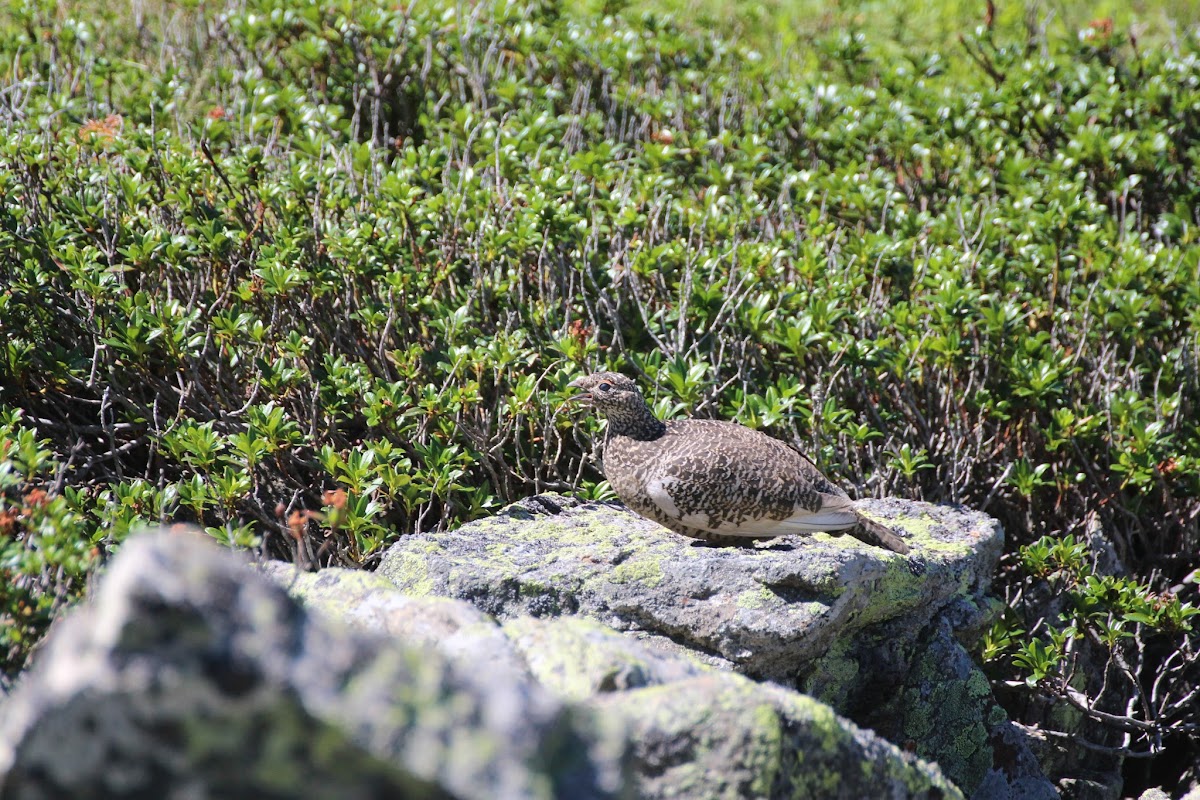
(605, 386)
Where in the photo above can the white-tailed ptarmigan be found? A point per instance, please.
(717, 481)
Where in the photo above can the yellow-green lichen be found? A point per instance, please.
(813, 773)
(410, 572)
(822, 718)
(577, 658)
(977, 685)
(499, 552)
(900, 589)
(920, 530)
(834, 676)
(645, 570)
(756, 598)
(593, 538)
(768, 730)
(733, 738)
(946, 714)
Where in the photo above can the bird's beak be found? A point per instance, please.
(584, 395)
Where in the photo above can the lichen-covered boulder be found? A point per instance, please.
(577, 658)
(724, 737)
(713, 735)
(190, 676)
(371, 604)
(697, 732)
(945, 708)
(844, 622)
(773, 611)
(574, 657)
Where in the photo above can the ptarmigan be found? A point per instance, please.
(717, 481)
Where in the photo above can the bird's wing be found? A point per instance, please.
(835, 513)
(659, 492)
(807, 468)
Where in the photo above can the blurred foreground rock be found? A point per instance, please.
(189, 676)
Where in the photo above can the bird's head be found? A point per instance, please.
(610, 393)
(621, 403)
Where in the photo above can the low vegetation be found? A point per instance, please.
(316, 275)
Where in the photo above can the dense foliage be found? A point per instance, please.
(316, 275)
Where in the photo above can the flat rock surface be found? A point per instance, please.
(770, 610)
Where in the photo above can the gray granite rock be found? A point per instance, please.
(188, 676)
(945, 708)
(773, 611)
(723, 737)
(528, 656)
(697, 732)
(846, 623)
(370, 603)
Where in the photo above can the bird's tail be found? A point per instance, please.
(869, 531)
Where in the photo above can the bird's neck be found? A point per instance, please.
(636, 423)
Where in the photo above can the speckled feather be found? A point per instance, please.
(717, 481)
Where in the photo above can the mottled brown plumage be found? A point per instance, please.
(717, 481)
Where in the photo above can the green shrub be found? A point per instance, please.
(1108, 648)
(46, 544)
